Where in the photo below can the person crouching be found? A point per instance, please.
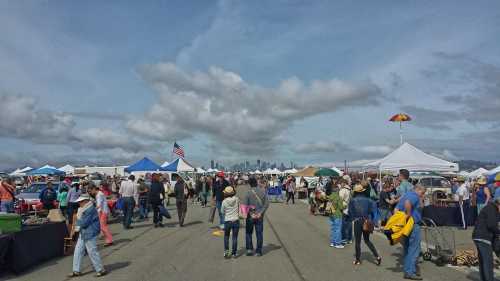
(230, 210)
(88, 227)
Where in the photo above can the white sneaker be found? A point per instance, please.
(339, 247)
(331, 245)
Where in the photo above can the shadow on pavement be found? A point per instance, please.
(269, 248)
(142, 225)
(122, 240)
(116, 266)
(192, 223)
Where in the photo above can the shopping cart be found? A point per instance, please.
(439, 242)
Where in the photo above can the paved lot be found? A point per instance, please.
(296, 248)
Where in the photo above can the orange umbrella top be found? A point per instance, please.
(400, 117)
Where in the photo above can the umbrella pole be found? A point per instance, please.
(401, 132)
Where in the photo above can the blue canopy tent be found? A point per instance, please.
(144, 165)
(46, 171)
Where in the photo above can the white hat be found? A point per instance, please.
(83, 197)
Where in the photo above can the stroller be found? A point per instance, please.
(318, 202)
(439, 242)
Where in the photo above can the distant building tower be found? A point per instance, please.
(212, 165)
(258, 163)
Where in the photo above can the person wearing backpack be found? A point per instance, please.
(7, 196)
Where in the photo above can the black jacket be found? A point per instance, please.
(487, 223)
(218, 189)
(155, 191)
(179, 191)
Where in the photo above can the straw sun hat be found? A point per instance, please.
(359, 188)
(482, 181)
(228, 190)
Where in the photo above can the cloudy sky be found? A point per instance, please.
(107, 82)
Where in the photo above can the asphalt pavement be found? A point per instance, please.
(296, 247)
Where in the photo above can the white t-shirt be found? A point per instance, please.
(463, 191)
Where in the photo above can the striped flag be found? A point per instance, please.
(178, 150)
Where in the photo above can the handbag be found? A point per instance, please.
(164, 212)
(368, 226)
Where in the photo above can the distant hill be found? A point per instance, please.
(470, 165)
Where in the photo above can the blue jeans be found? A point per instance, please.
(91, 246)
(233, 226)
(221, 215)
(143, 208)
(411, 250)
(7, 206)
(335, 231)
(259, 232)
(346, 228)
(128, 210)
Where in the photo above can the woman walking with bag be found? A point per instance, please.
(361, 211)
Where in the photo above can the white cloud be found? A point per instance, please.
(243, 117)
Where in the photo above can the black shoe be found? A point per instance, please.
(101, 273)
(249, 253)
(161, 225)
(156, 225)
(412, 277)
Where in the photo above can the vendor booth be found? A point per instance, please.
(143, 165)
(46, 170)
(411, 158)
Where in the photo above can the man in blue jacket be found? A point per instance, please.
(88, 227)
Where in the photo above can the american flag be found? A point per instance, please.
(178, 150)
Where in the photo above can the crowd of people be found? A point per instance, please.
(355, 207)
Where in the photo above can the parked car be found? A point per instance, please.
(437, 186)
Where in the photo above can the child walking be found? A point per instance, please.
(230, 210)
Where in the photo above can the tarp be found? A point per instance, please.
(179, 165)
(411, 158)
(306, 172)
(143, 165)
(165, 164)
(477, 173)
(46, 171)
(68, 169)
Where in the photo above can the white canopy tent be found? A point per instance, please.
(179, 165)
(48, 166)
(21, 172)
(411, 158)
(464, 174)
(477, 173)
(210, 170)
(68, 169)
(337, 170)
(291, 171)
(257, 172)
(494, 171)
(200, 170)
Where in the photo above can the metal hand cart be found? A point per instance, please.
(439, 243)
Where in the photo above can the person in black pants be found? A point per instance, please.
(484, 235)
(181, 195)
(156, 196)
(362, 208)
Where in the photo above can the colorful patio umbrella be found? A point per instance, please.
(326, 172)
(400, 117)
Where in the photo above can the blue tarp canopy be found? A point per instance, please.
(144, 165)
(46, 171)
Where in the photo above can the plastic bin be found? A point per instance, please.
(10, 223)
